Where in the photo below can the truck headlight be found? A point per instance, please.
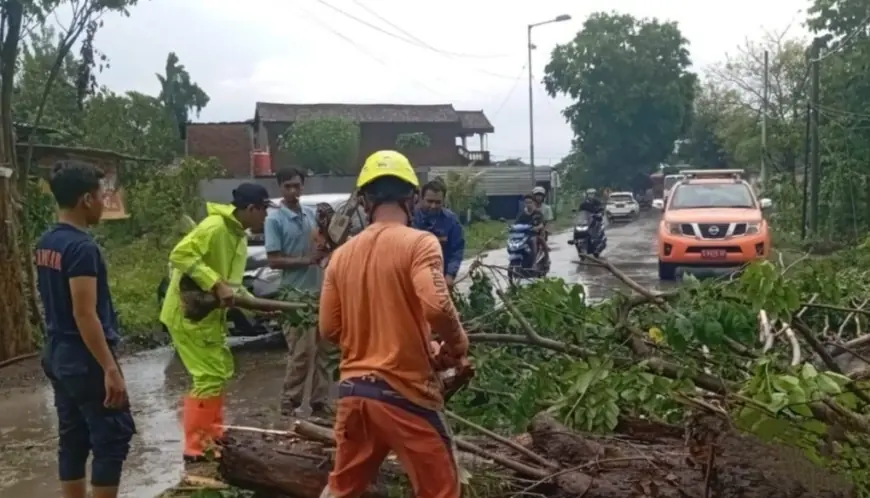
(673, 228)
(753, 228)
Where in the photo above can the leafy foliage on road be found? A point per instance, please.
(665, 356)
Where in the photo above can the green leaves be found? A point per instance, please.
(411, 141)
(324, 145)
(627, 77)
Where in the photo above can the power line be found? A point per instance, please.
(421, 43)
(400, 38)
(363, 50)
(510, 92)
(845, 41)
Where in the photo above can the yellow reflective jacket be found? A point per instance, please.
(216, 249)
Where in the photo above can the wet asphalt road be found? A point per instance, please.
(630, 247)
(156, 382)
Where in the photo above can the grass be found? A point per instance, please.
(135, 271)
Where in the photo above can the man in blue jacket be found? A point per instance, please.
(434, 218)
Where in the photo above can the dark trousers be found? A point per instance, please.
(85, 426)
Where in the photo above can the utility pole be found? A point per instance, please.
(764, 106)
(805, 182)
(531, 110)
(560, 18)
(815, 167)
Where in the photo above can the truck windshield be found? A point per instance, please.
(703, 196)
(672, 180)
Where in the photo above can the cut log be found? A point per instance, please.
(276, 465)
(280, 463)
(657, 462)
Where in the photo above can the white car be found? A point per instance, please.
(622, 205)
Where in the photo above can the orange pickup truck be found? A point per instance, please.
(711, 219)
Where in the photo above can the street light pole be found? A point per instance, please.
(561, 18)
(531, 110)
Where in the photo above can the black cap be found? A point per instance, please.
(248, 194)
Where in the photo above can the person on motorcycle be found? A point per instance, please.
(539, 194)
(532, 216)
(383, 297)
(591, 204)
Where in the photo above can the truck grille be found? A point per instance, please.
(713, 230)
(687, 229)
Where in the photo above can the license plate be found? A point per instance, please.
(714, 253)
(620, 205)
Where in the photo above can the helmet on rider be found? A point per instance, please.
(539, 190)
(387, 177)
(590, 192)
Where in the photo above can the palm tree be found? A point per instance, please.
(179, 95)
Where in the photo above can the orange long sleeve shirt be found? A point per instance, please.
(383, 294)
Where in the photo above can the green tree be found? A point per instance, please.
(844, 203)
(411, 141)
(179, 93)
(324, 145)
(16, 269)
(738, 85)
(132, 123)
(39, 55)
(701, 146)
(632, 93)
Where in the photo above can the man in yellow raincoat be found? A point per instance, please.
(213, 255)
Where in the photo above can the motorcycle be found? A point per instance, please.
(589, 236)
(524, 261)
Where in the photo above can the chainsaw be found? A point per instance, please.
(333, 226)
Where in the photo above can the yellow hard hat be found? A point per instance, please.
(387, 163)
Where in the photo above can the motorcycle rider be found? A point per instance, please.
(531, 215)
(591, 204)
(539, 194)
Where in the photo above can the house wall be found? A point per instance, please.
(220, 190)
(380, 136)
(230, 143)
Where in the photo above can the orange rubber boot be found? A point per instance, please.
(218, 427)
(200, 416)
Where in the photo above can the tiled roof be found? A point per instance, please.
(230, 143)
(363, 113)
(475, 121)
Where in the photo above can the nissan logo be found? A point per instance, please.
(713, 230)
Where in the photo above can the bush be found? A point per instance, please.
(158, 201)
(135, 271)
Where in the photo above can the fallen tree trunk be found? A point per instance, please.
(280, 466)
(282, 463)
(655, 460)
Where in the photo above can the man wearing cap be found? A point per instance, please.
(213, 255)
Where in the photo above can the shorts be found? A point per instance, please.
(85, 426)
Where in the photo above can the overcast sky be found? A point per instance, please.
(302, 51)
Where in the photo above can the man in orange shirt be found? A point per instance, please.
(383, 294)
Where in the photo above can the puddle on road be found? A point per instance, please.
(156, 382)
